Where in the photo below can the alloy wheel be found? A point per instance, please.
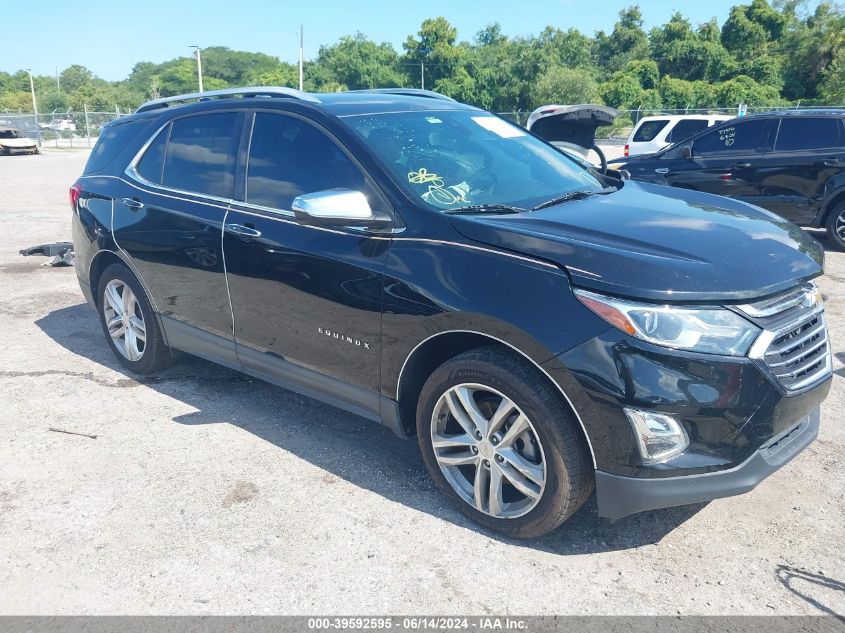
(124, 320)
(840, 226)
(488, 450)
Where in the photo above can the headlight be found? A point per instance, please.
(709, 330)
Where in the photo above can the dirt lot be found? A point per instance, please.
(208, 492)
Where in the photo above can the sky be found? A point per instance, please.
(116, 35)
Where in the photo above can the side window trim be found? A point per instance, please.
(288, 213)
(132, 172)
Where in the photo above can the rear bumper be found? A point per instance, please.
(620, 496)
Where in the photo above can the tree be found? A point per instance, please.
(359, 63)
(743, 89)
(832, 88)
(565, 86)
(435, 46)
(74, 77)
(628, 41)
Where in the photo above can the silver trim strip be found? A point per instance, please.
(519, 351)
(226, 278)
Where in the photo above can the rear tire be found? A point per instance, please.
(129, 323)
(836, 226)
(523, 467)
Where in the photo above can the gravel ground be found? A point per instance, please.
(207, 492)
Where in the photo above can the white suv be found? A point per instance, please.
(653, 133)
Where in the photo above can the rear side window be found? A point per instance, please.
(808, 133)
(200, 156)
(648, 130)
(150, 166)
(112, 141)
(743, 136)
(685, 128)
(288, 157)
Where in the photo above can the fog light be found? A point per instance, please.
(659, 436)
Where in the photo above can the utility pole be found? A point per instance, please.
(301, 40)
(32, 90)
(58, 82)
(422, 75)
(199, 67)
(423, 51)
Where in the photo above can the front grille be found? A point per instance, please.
(793, 346)
(799, 355)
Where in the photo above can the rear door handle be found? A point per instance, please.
(742, 165)
(132, 203)
(661, 170)
(244, 232)
(831, 162)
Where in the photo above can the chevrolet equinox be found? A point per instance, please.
(544, 329)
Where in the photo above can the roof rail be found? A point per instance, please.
(254, 91)
(408, 92)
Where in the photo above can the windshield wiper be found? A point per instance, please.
(492, 209)
(572, 195)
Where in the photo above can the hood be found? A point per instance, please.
(17, 142)
(659, 243)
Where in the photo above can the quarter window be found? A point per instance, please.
(200, 156)
(150, 165)
(289, 157)
(808, 133)
(742, 136)
(649, 130)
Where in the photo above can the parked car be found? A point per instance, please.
(541, 328)
(13, 141)
(791, 163)
(653, 133)
(59, 125)
(572, 128)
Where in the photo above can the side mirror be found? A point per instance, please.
(686, 151)
(335, 207)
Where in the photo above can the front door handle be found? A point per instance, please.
(244, 232)
(661, 170)
(132, 203)
(742, 165)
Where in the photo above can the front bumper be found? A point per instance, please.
(620, 496)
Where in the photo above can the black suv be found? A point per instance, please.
(791, 163)
(542, 328)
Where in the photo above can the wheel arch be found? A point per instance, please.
(837, 198)
(103, 259)
(442, 346)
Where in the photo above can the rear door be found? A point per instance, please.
(170, 222)
(725, 160)
(808, 152)
(306, 300)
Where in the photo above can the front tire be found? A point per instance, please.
(499, 441)
(836, 227)
(129, 323)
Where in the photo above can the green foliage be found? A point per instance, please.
(763, 54)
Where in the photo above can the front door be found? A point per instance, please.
(169, 219)
(725, 160)
(306, 300)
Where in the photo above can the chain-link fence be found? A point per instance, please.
(627, 119)
(65, 129)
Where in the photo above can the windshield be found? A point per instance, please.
(458, 158)
(10, 134)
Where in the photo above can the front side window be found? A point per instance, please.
(648, 130)
(796, 134)
(685, 128)
(200, 156)
(289, 157)
(450, 159)
(741, 136)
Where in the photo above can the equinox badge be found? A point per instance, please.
(343, 337)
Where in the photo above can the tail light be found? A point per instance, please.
(74, 193)
(626, 150)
